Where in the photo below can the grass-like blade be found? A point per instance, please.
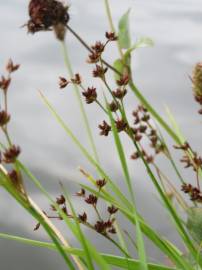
(110, 259)
(113, 186)
(121, 154)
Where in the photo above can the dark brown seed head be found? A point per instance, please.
(154, 140)
(135, 156)
(120, 125)
(60, 200)
(187, 188)
(145, 118)
(93, 58)
(10, 67)
(105, 128)
(76, 79)
(98, 48)
(83, 217)
(91, 199)
(90, 94)
(5, 83)
(101, 183)
(109, 223)
(11, 154)
(4, 118)
(45, 14)
(138, 137)
(142, 129)
(99, 71)
(149, 159)
(119, 93)
(63, 82)
(37, 226)
(113, 106)
(112, 209)
(124, 80)
(111, 36)
(184, 146)
(100, 226)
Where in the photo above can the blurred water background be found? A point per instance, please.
(162, 74)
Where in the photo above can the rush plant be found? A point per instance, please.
(144, 124)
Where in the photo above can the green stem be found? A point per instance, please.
(85, 118)
(118, 246)
(89, 48)
(100, 105)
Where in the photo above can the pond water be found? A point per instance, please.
(162, 74)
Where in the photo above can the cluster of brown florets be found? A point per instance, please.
(48, 15)
(11, 153)
(102, 225)
(100, 70)
(5, 81)
(142, 126)
(98, 48)
(143, 129)
(190, 159)
(193, 192)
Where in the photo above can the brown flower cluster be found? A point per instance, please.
(63, 82)
(105, 128)
(47, 15)
(98, 48)
(90, 94)
(193, 160)
(102, 226)
(4, 118)
(6, 80)
(11, 152)
(193, 192)
(143, 128)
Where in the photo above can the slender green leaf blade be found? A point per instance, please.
(110, 259)
(124, 31)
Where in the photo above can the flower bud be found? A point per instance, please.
(197, 82)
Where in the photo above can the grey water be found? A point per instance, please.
(162, 74)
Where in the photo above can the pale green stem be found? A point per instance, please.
(85, 118)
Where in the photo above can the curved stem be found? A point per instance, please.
(118, 246)
(89, 48)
